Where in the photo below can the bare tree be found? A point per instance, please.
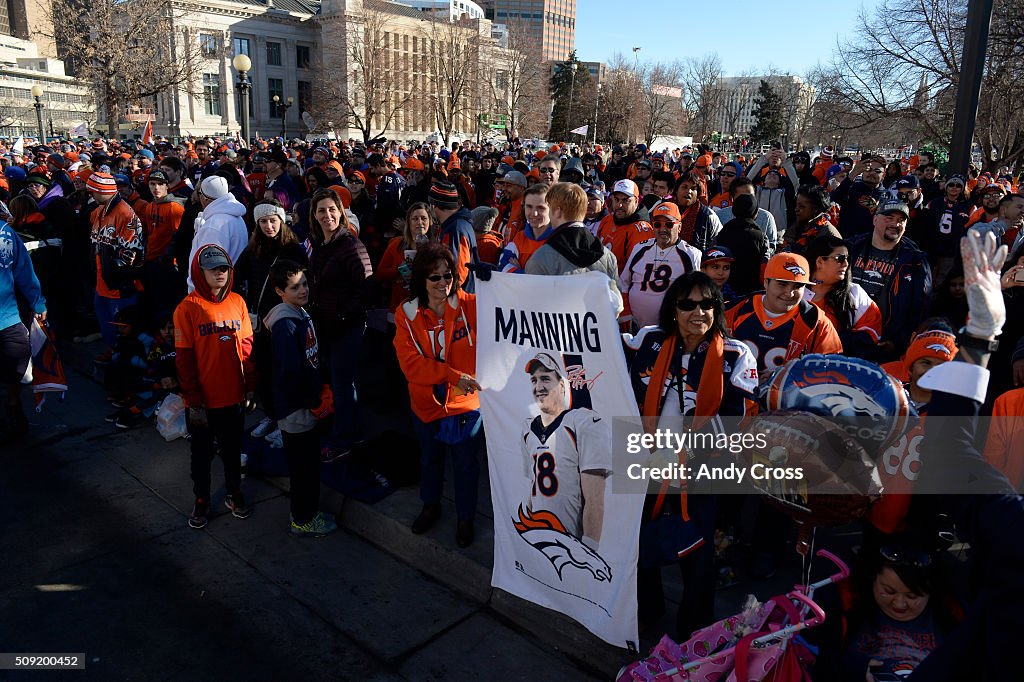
(702, 93)
(131, 50)
(660, 98)
(376, 89)
(618, 114)
(454, 67)
(519, 83)
(903, 69)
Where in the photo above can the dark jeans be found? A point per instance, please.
(465, 462)
(226, 424)
(303, 453)
(161, 286)
(344, 353)
(106, 310)
(697, 607)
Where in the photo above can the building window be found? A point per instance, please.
(275, 86)
(305, 89)
(274, 54)
(211, 93)
(208, 44)
(501, 80)
(241, 46)
(302, 56)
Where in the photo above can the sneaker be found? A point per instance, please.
(199, 519)
(329, 454)
(319, 526)
(114, 416)
(275, 439)
(130, 419)
(266, 425)
(236, 503)
(124, 403)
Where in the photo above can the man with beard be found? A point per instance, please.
(896, 275)
(628, 223)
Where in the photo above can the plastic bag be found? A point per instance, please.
(170, 418)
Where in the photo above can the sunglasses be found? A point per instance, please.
(546, 171)
(840, 258)
(688, 304)
(727, 175)
(663, 223)
(904, 197)
(437, 278)
(906, 557)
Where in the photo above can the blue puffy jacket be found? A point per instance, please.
(16, 277)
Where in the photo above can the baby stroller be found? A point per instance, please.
(761, 643)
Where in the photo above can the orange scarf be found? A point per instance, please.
(710, 390)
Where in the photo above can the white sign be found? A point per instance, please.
(582, 130)
(308, 119)
(550, 360)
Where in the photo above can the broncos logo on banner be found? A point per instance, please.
(548, 536)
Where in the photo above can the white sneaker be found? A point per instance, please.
(275, 439)
(265, 426)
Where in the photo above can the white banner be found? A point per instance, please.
(582, 130)
(550, 361)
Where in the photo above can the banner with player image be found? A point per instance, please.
(550, 360)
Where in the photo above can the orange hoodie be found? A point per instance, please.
(213, 344)
(434, 353)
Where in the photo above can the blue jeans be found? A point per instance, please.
(465, 462)
(344, 356)
(106, 310)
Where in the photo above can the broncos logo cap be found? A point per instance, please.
(937, 345)
(715, 253)
(788, 267)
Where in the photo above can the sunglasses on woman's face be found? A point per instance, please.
(906, 557)
(727, 174)
(437, 278)
(689, 305)
(840, 258)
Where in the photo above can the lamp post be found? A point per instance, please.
(37, 92)
(597, 104)
(242, 64)
(284, 106)
(572, 90)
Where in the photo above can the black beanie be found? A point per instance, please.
(443, 195)
(744, 207)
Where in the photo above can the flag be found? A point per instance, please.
(582, 130)
(147, 133)
(80, 130)
(19, 145)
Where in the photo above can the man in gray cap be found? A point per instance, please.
(896, 275)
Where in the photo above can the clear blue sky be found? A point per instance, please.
(790, 35)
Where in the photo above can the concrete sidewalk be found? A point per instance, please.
(99, 559)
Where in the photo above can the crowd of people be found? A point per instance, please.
(243, 277)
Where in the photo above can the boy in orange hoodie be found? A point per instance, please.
(213, 345)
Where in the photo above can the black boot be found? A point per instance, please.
(426, 519)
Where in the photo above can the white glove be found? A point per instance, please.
(983, 261)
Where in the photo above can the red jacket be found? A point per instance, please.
(419, 337)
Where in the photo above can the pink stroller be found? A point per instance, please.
(754, 645)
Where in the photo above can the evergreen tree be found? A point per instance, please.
(565, 91)
(768, 124)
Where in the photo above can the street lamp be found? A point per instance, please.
(572, 89)
(597, 103)
(37, 92)
(242, 64)
(283, 106)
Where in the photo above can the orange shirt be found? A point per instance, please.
(160, 220)
(116, 232)
(219, 336)
(387, 271)
(488, 247)
(621, 239)
(1004, 448)
(720, 200)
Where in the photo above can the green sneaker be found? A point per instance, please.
(319, 526)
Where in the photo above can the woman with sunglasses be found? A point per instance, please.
(855, 316)
(686, 373)
(435, 340)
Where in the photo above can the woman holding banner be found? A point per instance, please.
(435, 340)
(678, 370)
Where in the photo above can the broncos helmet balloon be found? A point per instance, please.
(858, 395)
